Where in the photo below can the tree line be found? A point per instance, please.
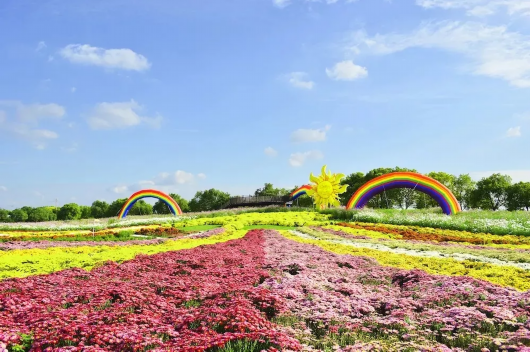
(490, 193)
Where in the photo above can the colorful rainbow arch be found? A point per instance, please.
(300, 191)
(419, 182)
(173, 206)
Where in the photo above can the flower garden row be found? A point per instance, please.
(264, 287)
(314, 284)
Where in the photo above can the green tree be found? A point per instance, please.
(4, 215)
(42, 214)
(402, 197)
(269, 190)
(161, 208)
(383, 200)
(86, 212)
(99, 209)
(445, 179)
(463, 186)
(491, 192)
(115, 207)
(354, 182)
(519, 196)
(70, 211)
(18, 215)
(211, 199)
(141, 207)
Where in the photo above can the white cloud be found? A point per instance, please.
(480, 8)
(309, 135)
(179, 177)
(3, 188)
(281, 3)
(106, 116)
(72, 148)
(284, 3)
(165, 181)
(513, 132)
(269, 151)
(516, 175)
(298, 159)
(120, 189)
(494, 51)
(299, 80)
(124, 59)
(25, 125)
(346, 71)
(73, 89)
(40, 46)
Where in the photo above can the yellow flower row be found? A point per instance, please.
(504, 276)
(26, 262)
(239, 221)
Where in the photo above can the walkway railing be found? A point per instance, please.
(250, 200)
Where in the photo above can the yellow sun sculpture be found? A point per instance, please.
(326, 188)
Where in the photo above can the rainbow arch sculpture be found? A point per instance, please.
(299, 191)
(152, 193)
(441, 194)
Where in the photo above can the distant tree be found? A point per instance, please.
(4, 215)
(445, 179)
(141, 208)
(18, 215)
(115, 207)
(99, 209)
(70, 211)
(42, 214)
(211, 199)
(86, 212)
(463, 186)
(28, 210)
(384, 200)
(519, 196)
(161, 208)
(269, 190)
(491, 192)
(354, 182)
(401, 197)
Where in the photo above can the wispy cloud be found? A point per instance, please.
(481, 7)
(310, 135)
(513, 132)
(269, 151)
(107, 116)
(124, 59)
(3, 188)
(494, 51)
(298, 159)
(28, 117)
(300, 80)
(40, 46)
(346, 71)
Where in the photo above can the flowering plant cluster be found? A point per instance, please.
(188, 300)
(26, 262)
(340, 300)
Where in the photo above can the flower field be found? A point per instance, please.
(305, 283)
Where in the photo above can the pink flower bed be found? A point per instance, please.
(188, 300)
(8, 246)
(208, 233)
(321, 286)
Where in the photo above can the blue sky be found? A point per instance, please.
(100, 98)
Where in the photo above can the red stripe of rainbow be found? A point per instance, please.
(300, 191)
(173, 206)
(413, 180)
